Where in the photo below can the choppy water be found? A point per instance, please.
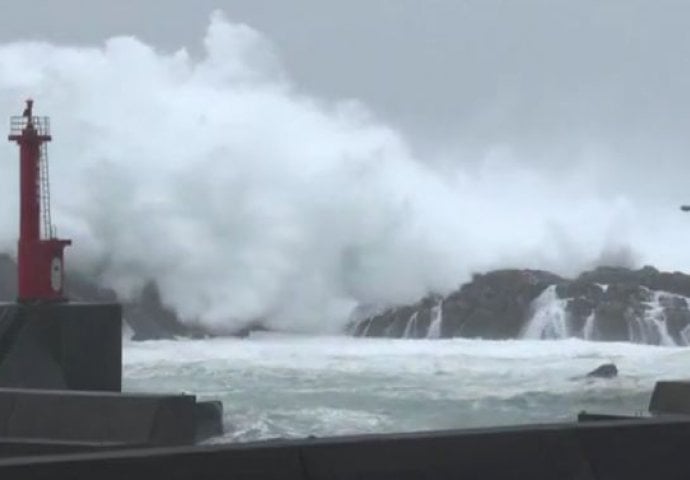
(295, 386)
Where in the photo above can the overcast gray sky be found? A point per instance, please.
(433, 65)
(574, 113)
(542, 76)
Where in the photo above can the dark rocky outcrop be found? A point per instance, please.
(650, 277)
(495, 305)
(150, 319)
(605, 304)
(642, 306)
(492, 305)
(413, 321)
(607, 370)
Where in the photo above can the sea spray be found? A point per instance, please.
(247, 199)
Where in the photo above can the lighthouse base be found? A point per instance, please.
(60, 384)
(65, 346)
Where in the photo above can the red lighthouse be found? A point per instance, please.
(40, 256)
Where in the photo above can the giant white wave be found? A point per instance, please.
(245, 197)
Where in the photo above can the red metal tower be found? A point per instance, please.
(40, 255)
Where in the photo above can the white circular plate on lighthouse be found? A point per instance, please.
(56, 274)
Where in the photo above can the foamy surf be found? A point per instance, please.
(296, 386)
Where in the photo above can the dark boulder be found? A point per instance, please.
(607, 370)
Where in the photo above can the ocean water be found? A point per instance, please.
(294, 386)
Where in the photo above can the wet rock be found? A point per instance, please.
(493, 305)
(650, 277)
(677, 318)
(151, 319)
(580, 288)
(607, 370)
(605, 304)
(247, 330)
(411, 321)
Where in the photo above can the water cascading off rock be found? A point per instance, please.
(607, 304)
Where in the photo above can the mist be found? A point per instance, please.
(247, 198)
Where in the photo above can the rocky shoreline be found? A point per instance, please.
(605, 304)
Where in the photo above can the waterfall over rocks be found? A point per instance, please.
(493, 305)
(436, 321)
(645, 315)
(607, 304)
(550, 317)
(411, 327)
(588, 329)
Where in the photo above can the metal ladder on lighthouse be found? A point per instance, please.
(44, 189)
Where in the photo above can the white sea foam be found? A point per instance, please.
(284, 385)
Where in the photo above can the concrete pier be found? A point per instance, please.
(61, 379)
(98, 417)
(625, 450)
(670, 398)
(66, 346)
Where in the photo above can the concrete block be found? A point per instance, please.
(636, 449)
(670, 397)
(106, 417)
(22, 447)
(74, 346)
(209, 419)
(535, 453)
(232, 462)
(621, 449)
(598, 417)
